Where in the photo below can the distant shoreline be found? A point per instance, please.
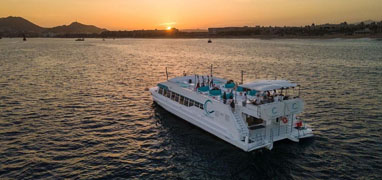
(265, 37)
(20, 27)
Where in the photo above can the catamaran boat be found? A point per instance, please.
(250, 116)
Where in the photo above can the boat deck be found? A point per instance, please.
(190, 83)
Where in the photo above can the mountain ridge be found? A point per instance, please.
(13, 25)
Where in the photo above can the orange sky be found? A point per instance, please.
(190, 14)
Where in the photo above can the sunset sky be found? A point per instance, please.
(190, 14)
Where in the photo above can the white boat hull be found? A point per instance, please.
(191, 118)
(217, 118)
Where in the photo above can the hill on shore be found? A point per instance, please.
(76, 28)
(18, 25)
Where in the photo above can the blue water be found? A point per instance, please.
(81, 109)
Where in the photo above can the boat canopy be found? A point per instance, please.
(186, 79)
(204, 89)
(268, 85)
(162, 86)
(230, 85)
(215, 92)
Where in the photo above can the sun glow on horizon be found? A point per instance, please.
(167, 14)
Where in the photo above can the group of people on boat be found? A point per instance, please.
(230, 93)
(203, 82)
(268, 97)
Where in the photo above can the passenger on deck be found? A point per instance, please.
(245, 99)
(259, 99)
(268, 98)
(232, 105)
(275, 98)
(224, 97)
(256, 100)
(281, 97)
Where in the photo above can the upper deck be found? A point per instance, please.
(256, 93)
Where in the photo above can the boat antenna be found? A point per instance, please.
(211, 70)
(195, 80)
(242, 77)
(299, 90)
(166, 74)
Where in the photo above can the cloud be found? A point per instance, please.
(168, 24)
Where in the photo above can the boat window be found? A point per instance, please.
(185, 101)
(181, 101)
(164, 92)
(176, 97)
(173, 96)
(196, 104)
(160, 91)
(191, 103)
(169, 94)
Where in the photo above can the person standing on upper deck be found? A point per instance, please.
(224, 97)
(232, 105)
(245, 99)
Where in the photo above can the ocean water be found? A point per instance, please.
(81, 110)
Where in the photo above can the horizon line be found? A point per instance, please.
(199, 28)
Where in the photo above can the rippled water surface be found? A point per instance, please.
(80, 109)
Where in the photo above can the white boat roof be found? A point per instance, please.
(258, 85)
(268, 85)
(192, 77)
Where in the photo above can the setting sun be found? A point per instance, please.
(169, 28)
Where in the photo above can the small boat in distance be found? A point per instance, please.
(249, 116)
(209, 41)
(24, 38)
(80, 39)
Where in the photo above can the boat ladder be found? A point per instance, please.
(244, 132)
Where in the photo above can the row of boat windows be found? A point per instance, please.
(179, 98)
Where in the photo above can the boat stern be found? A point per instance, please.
(301, 132)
